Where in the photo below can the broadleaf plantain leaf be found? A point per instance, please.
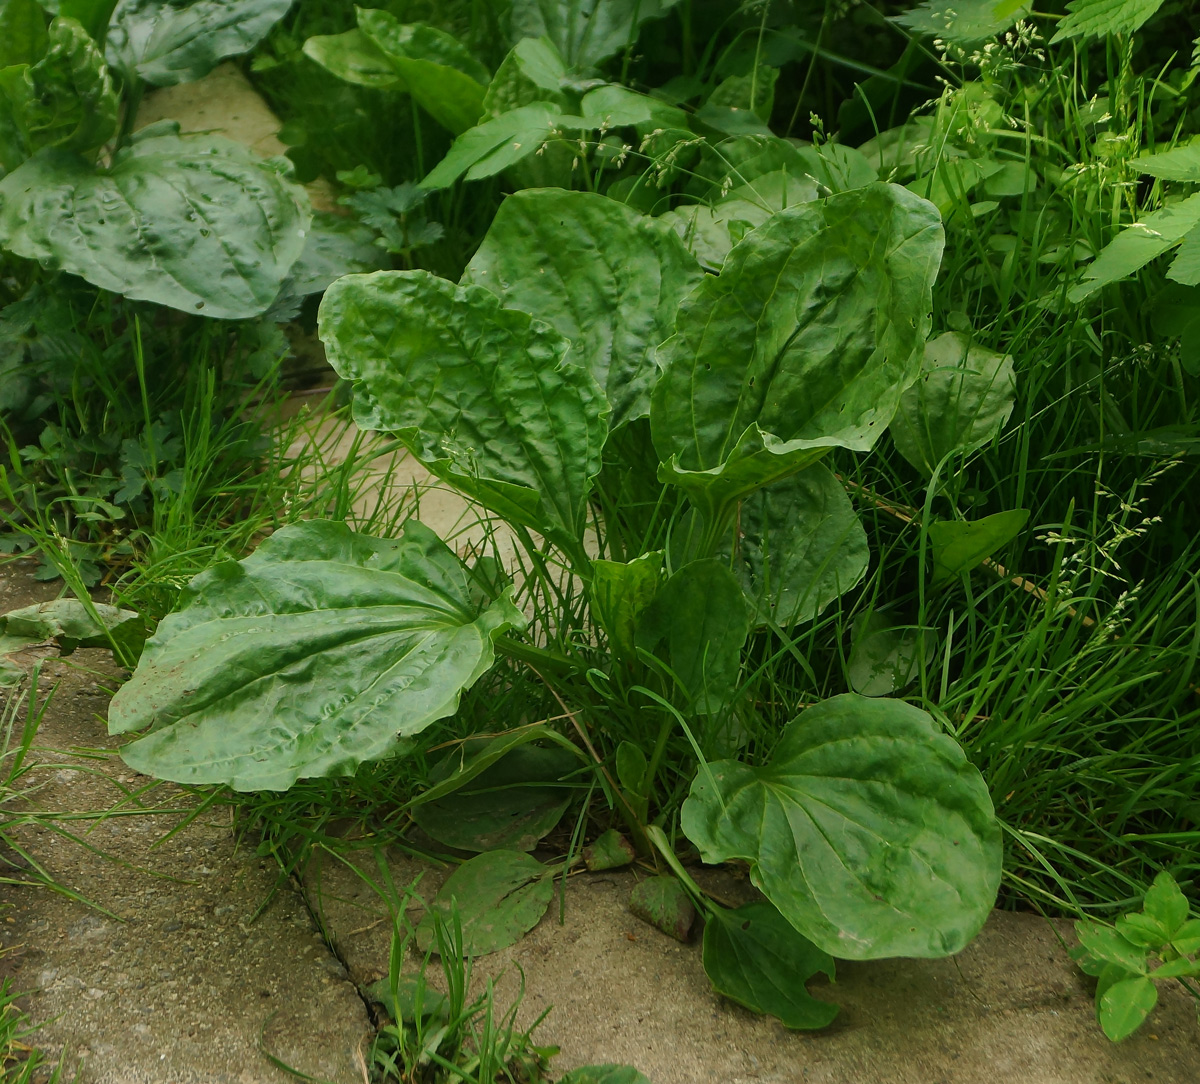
(869, 830)
(801, 545)
(164, 42)
(307, 658)
(754, 957)
(957, 546)
(605, 277)
(803, 343)
(480, 394)
(585, 32)
(196, 223)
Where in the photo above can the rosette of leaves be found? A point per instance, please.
(867, 829)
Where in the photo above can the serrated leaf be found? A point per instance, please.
(1100, 18)
(480, 394)
(605, 277)
(1180, 163)
(957, 546)
(498, 896)
(165, 42)
(307, 658)
(662, 902)
(1137, 245)
(585, 32)
(1125, 1006)
(754, 957)
(801, 546)
(198, 223)
(804, 342)
(1185, 268)
(869, 830)
(962, 399)
(963, 22)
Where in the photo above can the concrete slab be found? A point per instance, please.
(178, 983)
(1010, 1008)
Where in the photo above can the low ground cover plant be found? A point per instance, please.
(837, 489)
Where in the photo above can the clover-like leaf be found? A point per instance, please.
(481, 394)
(804, 342)
(605, 277)
(196, 223)
(869, 830)
(307, 658)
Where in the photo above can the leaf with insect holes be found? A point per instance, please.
(498, 896)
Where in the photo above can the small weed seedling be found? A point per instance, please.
(1145, 947)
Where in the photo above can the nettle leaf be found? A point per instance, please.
(166, 42)
(869, 830)
(620, 592)
(307, 658)
(433, 67)
(197, 223)
(1180, 163)
(64, 100)
(800, 546)
(585, 32)
(803, 343)
(1137, 245)
(1100, 18)
(605, 277)
(498, 897)
(962, 399)
(701, 615)
(755, 957)
(960, 545)
(480, 394)
(963, 22)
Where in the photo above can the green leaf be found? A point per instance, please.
(1185, 268)
(65, 100)
(198, 224)
(495, 145)
(960, 402)
(958, 546)
(11, 673)
(510, 804)
(1176, 315)
(480, 394)
(533, 71)
(1166, 903)
(1100, 18)
(1137, 245)
(71, 624)
(803, 343)
(94, 15)
(499, 896)
(354, 58)
(1104, 943)
(307, 658)
(801, 545)
(620, 593)
(631, 767)
(165, 42)
(702, 616)
(1142, 930)
(585, 32)
(610, 851)
(605, 277)
(869, 830)
(439, 72)
(754, 957)
(663, 903)
(884, 659)
(401, 1002)
(1125, 1006)
(604, 1074)
(334, 245)
(963, 22)
(1181, 967)
(1186, 939)
(23, 37)
(753, 93)
(1180, 163)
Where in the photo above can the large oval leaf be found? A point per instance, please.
(307, 658)
(585, 32)
(479, 393)
(604, 276)
(803, 343)
(800, 546)
(869, 830)
(165, 42)
(199, 224)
